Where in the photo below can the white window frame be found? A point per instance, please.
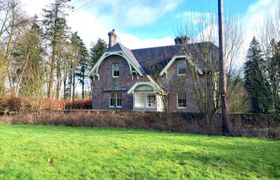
(146, 101)
(178, 68)
(113, 70)
(179, 107)
(115, 99)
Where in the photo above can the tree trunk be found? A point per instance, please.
(73, 87)
(51, 77)
(83, 83)
(58, 76)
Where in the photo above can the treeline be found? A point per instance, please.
(262, 77)
(42, 57)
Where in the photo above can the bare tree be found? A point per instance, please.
(204, 56)
(12, 26)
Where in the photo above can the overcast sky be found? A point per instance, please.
(146, 23)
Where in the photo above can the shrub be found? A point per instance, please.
(239, 124)
(8, 104)
(81, 104)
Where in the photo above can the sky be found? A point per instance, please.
(147, 23)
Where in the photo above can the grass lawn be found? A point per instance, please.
(45, 152)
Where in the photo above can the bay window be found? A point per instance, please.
(144, 100)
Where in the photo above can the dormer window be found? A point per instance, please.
(115, 70)
(181, 68)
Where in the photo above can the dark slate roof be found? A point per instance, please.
(154, 59)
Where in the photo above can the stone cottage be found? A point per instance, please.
(149, 79)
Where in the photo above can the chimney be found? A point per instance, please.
(181, 40)
(112, 38)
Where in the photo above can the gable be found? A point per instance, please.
(132, 65)
(156, 60)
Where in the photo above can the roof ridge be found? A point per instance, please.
(170, 45)
(156, 47)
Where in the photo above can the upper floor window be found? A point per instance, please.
(115, 70)
(181, 67)
(181, 100)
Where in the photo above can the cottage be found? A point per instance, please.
(148, 79)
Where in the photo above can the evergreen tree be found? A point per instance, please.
(96, 51)
(55, 34)
(274, 73)
(255, 82)
(83, 65)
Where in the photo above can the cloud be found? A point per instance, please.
(256, 15)
(33, 7)
(133, 13)
(91, 24)
(134, 42)
(197, 18)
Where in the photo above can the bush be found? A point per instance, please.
(8, 104)
(81, 104)
(239, 124)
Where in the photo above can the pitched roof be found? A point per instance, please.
(129, 54)
(153, 60)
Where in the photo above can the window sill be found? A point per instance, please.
(181, 107)
(113, 107)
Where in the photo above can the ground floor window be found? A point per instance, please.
(182, 100)
(151, 100)
(115, 100)
(144, 100)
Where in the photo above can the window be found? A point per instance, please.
(115, 70)
(182, 100)
(144, 100)
(181, 67)
(151, 100)
(139, 100)
(115, 100)
(119, 99)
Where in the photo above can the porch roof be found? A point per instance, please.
(156, 89)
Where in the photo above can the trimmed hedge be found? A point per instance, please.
(249, 125)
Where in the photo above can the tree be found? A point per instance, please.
(273, 70)
(206, 85)
(269, 35)
(96, 51)
(55, 35)
(12, 25)
(29, 65)
(255, 82)
(83, 65)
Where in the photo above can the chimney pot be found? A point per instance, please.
(181, 40)
(112, 38)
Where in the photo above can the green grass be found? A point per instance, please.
(45, 152)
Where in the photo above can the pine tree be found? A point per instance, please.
(83, 66)
(96, 51)
(274, 73)
(255, 82)
(55, 34)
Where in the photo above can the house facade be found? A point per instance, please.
(148, 79)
